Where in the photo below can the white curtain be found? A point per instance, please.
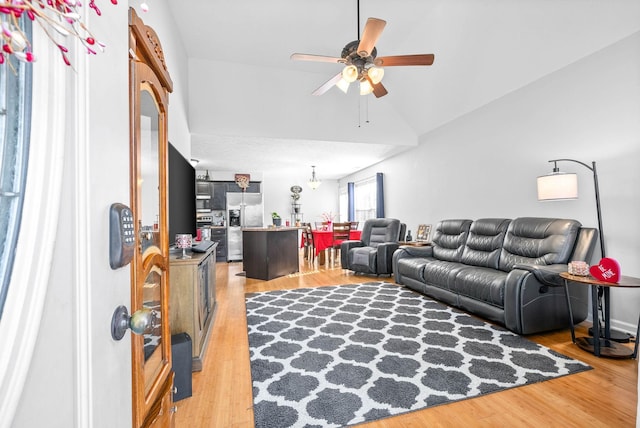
(365, 199)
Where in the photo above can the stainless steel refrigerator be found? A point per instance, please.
(244, 210)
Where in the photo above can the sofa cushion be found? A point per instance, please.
(449, 238)
(480, 283)
(439, 273)
(540, 241)
(484, 242)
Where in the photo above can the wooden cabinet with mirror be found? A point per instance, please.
(150, 85)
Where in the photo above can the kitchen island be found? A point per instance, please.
(270, 252)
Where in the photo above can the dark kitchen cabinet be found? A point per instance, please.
(219, 201)
(204, 188)
(219, 235)
(269, 253)
(254, 187)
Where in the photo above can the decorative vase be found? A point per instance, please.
(184, 241)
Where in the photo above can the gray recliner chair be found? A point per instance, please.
(373, 253)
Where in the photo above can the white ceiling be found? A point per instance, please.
(483, 51)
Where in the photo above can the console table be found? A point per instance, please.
(604, 347)
(192, 299)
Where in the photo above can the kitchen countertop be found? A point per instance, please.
(270, 229)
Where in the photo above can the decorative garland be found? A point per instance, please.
(62, 16)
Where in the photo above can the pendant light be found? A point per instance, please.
(314, 183)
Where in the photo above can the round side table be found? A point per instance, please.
(598, 346)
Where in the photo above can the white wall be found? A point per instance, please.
(277, 196)
(274, 103)
(485, 163)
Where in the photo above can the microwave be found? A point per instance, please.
(203, 204)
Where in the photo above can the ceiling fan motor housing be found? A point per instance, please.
(351, 51)
(351, 57)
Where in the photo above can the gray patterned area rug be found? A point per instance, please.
(342, 355)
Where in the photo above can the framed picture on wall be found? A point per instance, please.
(424, 230)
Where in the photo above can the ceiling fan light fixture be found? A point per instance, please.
(365, 87)
(343, 85)
(350, 73)
(376, 74)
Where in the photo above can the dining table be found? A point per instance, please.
(323, 240)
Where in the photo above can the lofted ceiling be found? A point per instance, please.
(251, 108)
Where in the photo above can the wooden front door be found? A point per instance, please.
(150, 85)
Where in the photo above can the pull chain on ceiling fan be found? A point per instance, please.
(361, 62)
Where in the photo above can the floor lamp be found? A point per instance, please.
(562, 186)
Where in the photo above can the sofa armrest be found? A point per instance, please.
(385, 256)
(412, 251)
(345, 246)
(535, 299)
(349, 244)
(408, 251)
(546, 274)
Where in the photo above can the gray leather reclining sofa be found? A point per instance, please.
(502, 270)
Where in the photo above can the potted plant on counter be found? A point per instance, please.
(277, 221)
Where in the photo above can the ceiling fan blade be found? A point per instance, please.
(370, 35)
(391, 61)
(327, 85)
(316, 58)
(378, 88)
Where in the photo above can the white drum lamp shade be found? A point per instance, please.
(557, 185)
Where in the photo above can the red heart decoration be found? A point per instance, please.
(607, 270)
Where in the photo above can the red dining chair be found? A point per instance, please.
(309, 247)
(340, 233)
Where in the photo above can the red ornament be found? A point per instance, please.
(607, 270)
(91, 40)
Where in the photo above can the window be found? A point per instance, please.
(15, 116)
(365, 199)
(343, 201)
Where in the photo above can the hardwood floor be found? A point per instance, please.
(603, 397)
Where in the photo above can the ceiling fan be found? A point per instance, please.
(362, 63)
